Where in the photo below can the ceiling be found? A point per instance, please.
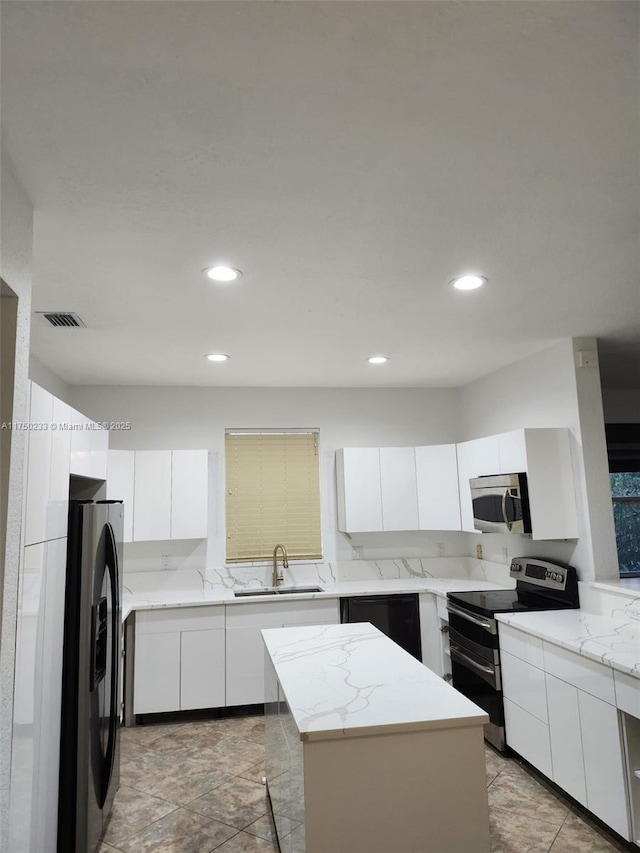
(350, 158)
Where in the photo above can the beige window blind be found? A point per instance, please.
(272, 495)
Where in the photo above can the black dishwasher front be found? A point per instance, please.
(397, 616)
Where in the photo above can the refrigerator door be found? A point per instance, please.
(89, 754)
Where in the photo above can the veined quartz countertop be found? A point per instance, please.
(351, 680)
(613, 642)
(224, 595)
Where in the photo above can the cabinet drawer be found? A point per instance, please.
(528, 736)
(274, 614)
(627, 693)
(521, 645)
(585, 674)
(524, 684)
(179, 619)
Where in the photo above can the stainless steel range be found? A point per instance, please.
(473, 630)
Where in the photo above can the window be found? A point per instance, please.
(623, 446)
(272, 495)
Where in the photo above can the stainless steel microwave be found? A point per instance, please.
(501, 503)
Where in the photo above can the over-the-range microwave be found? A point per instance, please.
(501, 503)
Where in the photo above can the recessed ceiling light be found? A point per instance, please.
(468, 282)
(222, 273)
(218, 356)
(377, 359)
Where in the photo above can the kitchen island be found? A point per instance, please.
(367, 750)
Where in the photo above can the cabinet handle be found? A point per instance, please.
(444, 629)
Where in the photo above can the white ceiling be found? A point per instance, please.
(350, 158)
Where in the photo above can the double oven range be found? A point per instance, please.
(473, 630)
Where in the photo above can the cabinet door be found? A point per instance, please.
(430, 634)
(603, 762)
(60, 466)
(120, 475)
(524, 684)
(399, 490)
(528, 735)
(38, 482)
(359, 489)
(565, 737)
(189, 490)
(244, 666)
(152, 495)
(202, 670)
(156, 685)
(99, 450)
(475, 459)
(437, 484)
(512, 452)
(80, 445)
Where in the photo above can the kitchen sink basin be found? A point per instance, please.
(274, 590)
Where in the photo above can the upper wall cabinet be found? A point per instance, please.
(47, 472)
(545, 456)
(89, 447)
(437, 485)
(165, 492)
(397, 488)
(359, 491)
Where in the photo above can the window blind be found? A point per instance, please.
(272, 495)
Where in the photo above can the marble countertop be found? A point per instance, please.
(613, 642)
(351, 681)
(224, 595)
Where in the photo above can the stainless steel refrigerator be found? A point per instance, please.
(90, 725)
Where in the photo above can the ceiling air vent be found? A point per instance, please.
(62, 319)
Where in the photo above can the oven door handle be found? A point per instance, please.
(487, 624)
(504, 510)
(455, 650)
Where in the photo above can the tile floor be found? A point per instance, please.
(172, 801)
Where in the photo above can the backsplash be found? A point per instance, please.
(229, 577)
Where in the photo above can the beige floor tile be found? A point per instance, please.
(107, 848)
(146, 735)
(180, 832)
(132, 811)
(517, 833)
(174, 779)
(494, 764)
(238, 802)
(577, 836)
(254, 773)
(263, 827)
(517, 791)
(234, 755)
(245, 843)
(193, 741)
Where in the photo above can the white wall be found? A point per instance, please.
(547, 390)
(177, 418)
(621, 405)
(16, 235)
(47, 379)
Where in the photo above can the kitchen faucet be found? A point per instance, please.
(277, 578)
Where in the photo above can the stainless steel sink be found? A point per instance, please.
(273, 590)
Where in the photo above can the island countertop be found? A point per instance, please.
(350, 680)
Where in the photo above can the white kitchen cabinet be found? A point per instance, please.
(189, 491)
(179, 659)
(528, 735)
(524, 685)
(120, 480)
(627, 694)
(359, 490)
(566, 738)
(585, 674)
(156, 673)
(475, 459)
(545, 456)
(89, 447)
(603, 762)
(57, 516)
(152, 495)
(437, 487)
(399, 488)
(202, 665)
(245, 649)
(433, 632)
(38, 480)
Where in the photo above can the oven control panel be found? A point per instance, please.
(539, 572)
